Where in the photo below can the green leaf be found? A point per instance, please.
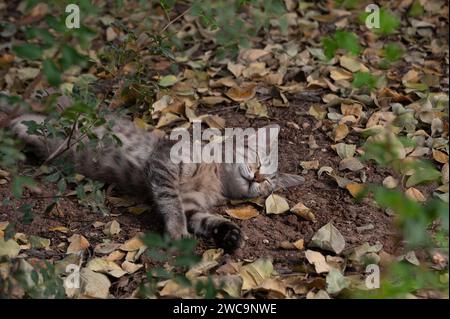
(348, 41)
(364, 79)
(393, 52)
(28, 51)
(69, 57)
(388, 22)
(168, 80)
(423, 175)
(51, 72)
(330, 46)
(19, 182)
(416, 9)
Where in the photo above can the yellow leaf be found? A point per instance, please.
(355, 189)
(340, 132)
(440, 157)
(243, 213)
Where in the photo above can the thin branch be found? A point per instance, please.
(176, 19)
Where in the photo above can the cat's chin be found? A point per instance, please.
(228, 236)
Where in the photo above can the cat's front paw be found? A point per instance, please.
(227, 236)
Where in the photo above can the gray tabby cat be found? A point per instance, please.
(182, 193)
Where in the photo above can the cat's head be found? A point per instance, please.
(257, 161)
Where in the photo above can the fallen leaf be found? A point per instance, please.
(243, 213)
(328, 238)
(39, 242)
(340, 132)
(9, 248)
(345, 150)
(355, 189)
(131, 267)
(255, 273)
(132, 244)
(243, 92)
(111, 228)
(351, 163)
(318, 260)
(77, 244)
(336, 282)
(440, 157)
(415, 195)
(94, 285)
(390, 182)
(301, 210)
(106, 267)
(168, 80)
(106, 248)
(254, 108)
(276, 204)
(310, 164)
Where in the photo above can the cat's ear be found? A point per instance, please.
(289, 180)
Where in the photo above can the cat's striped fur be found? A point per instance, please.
(181, 193)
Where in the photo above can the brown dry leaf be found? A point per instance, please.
(318, 111)
(78, 243)
(243, 213)
(301, 210)
(61, 229)
(344, 150)
(106, 267)
(235, 69)
(167, 119)
(310, 164)
(106, 248)
(253, 54)
(318, 260)
(351, 163)
(111, 228)
(352, 64)
(338, 74)
(130, 267)
(213, 100)
(256, 109)
(255, 273)
(355, 189)
(94, 285)
(328, 238)
(9, 248)
(440, 157)
(132, 244)
(445, 174)
(355, 109)
(415, 194)
(276, 204)
(115, 256)
(340, 132)
(390, 182)
(243, 92)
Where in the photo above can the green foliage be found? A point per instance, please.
(416, 9)
(341, 40)
(365, 79)
(392, 53)
(38, 281)
(178, 255)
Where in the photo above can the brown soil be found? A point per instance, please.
(263, 233)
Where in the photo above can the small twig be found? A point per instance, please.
(176, 19)
(60, 149)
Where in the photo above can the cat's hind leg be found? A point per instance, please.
(225, 233)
